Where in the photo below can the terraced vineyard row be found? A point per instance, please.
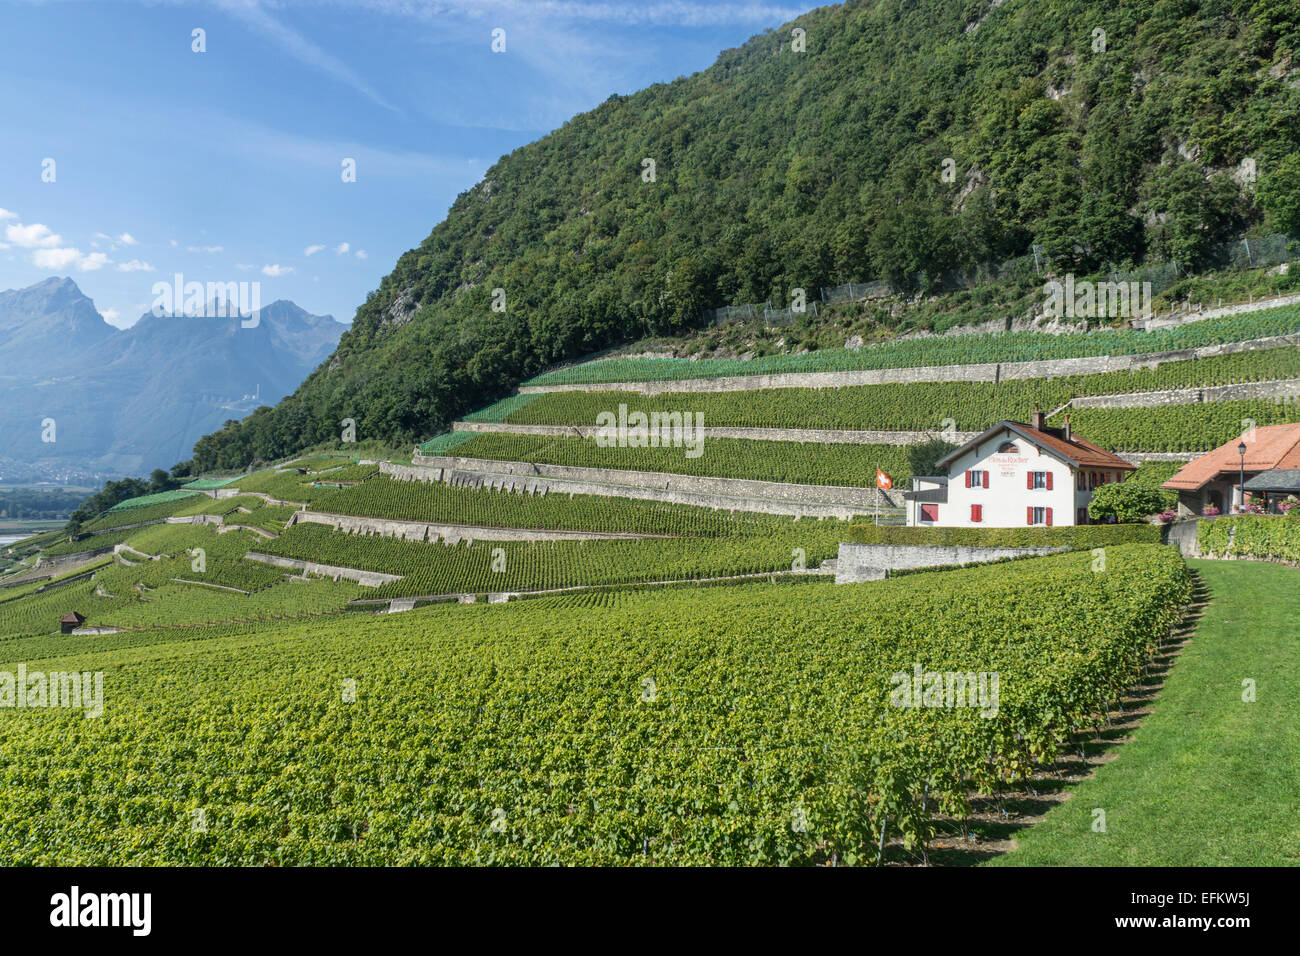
(796, 462)
(315, 463)
(208, 484)
(40, 613)
(445, 444)
(1179, 428)
(146, 501)
(1192, 428)
(174, 540)
(941, 350)
(88, 543)
(1252, 536)
(349, 473)
(733, 726)
(919, 406)
(284, 486)
(164, 506)
(221, 506)
(521, 566)
(382, 497)
(16, 591)
(177, 605)
(270, 518)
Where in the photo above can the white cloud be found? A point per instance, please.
(92, 262)
(125, 239)
(4, 245)
(173, 242)
(361, 254)
(55, 258)
(35, 236)
(207, 249)
(135, 265)
(341, 248)
(276, 270)
(244, 266)
(312, 250)
(6, 214)
(110, 315)
(63, 256)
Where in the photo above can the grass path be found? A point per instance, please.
(1206, 779)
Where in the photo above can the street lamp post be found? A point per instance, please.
(1241, 450)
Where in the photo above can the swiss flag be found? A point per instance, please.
(883, 480)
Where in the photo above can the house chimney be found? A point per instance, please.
(1038, 420)
(1067, 426)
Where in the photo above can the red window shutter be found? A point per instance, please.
(1049, 516)
(1049, 484)
(1029, 480)
(986, 479)
(975, 513)
(968, 478)
(1029, 515)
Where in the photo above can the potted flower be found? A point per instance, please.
(1166, 516)
(1210, 511)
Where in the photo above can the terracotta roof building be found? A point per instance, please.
(1015, 474)
(1213, 479)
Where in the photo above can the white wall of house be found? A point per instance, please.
(1006, 500)
(914, 507)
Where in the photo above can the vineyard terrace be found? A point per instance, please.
(658, 429)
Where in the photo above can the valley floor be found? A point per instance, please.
(1207, 779)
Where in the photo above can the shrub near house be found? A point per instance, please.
(1126, 502)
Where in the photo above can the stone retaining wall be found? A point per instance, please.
(820, 436)
(871, 562)
(1200, 316)
(731, 494)
(988, 372)
(193, 519)
(1182, 534)
(53, 564)
(1277, 388)
(369, 579)
(449, 534)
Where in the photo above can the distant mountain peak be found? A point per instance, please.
(128, 400)
(55, 309)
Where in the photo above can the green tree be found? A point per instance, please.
(1278, 193)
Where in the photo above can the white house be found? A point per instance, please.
(1015, 475)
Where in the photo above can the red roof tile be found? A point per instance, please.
(1273, 447)
(1077, 449)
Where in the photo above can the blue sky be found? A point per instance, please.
(226, 165)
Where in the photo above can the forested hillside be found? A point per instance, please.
(1105, 134)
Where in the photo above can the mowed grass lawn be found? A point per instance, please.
(1206, 779)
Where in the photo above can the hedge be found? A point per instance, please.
(1256, 536)
(1077, 537)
